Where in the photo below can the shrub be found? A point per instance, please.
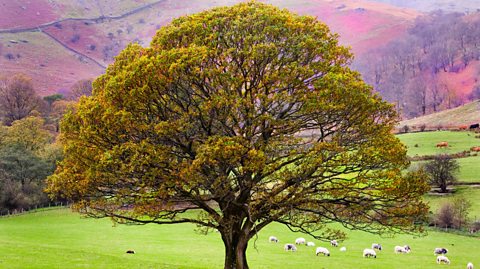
(445, 216)
(475, 227)
(454, 214)
(75, 38)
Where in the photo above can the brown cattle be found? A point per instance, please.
(476, 149)
(442, 144)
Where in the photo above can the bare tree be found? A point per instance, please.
(445, 216)
(461, 208)
(80, 88)
(17, 98)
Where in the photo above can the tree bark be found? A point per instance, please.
(235, 251)
(443, 187)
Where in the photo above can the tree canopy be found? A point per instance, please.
(27, 157)
(442, 171)
(17, 98)
(246, 115)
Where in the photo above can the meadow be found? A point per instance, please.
(424, 143)
(62, 239)
(59, 238)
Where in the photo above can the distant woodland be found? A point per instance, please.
(29, 149)
(413, 72)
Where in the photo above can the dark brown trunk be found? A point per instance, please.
(235, 251)
(443, 188)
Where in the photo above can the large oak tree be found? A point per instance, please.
(244, 115)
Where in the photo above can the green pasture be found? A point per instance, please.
(426, 142)
(61, 239)
(468, 192)
(469, 170)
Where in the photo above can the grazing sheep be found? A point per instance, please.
(323, 251)
(470, 265)
(439, 251)
(442, 259)
(334, 243)
(343, 249)
(404, 249)
(367, 253)
(376, 246)
(130, 251)
(310, 244)
(273, 239)
(290, 247)
(300, 241)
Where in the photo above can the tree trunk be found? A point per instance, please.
(443, 188)
(235, 252)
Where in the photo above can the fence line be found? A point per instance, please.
(30, 210)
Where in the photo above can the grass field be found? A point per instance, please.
(61, 239)
(426, 142)
(470, 193)
(469, 169)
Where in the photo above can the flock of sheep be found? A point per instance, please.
(367, 253)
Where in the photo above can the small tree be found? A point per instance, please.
(461, 207)
(50, 99)
(208, 120)
(446, 215)
(441, 171)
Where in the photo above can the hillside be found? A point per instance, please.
(450, 118)
(59, 42)
(427, 6)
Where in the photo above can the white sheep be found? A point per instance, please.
(376, 246)
(404, 249)
(334, 243)
(310, 244)
(290, 247)
(442, 259)
(300, 241)
(439, 251)
(470, 265)
(273, 239)
(369, 253)
(343, 249)
(323, 251)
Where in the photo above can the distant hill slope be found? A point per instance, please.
(58, 42)
(431, 5)
(450, 118)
